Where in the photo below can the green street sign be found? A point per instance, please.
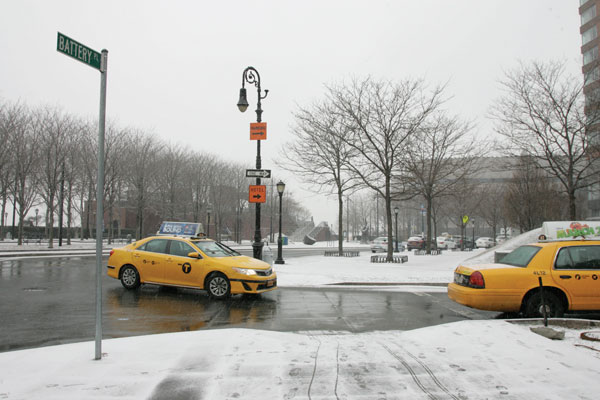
(73, 48)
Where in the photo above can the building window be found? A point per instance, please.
(590, 55)
(582, 2)
(588, 15)
(589, 35)
(591, 76)
(592, 96)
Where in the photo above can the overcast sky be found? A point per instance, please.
(175, 67)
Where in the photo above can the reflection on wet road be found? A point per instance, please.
(51, 301)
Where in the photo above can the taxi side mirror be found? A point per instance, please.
(193, 255)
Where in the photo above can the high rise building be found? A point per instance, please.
(590, 42)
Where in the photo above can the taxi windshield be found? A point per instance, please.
(215, 249)
(521, 256)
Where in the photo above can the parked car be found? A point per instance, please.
(191, 263)
(415, 243)
(444, 242)
(484, 242)
(569, 271)
(501, 239)
(381, 244)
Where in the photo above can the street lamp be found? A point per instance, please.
(280, 189)
(396, 209)
(251, 76)
(209, 210)
(37, 210)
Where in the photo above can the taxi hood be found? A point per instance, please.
(241, 262)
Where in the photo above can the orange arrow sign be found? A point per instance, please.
(257, 194)
(258, 131)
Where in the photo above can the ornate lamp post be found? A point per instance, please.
(37, 210)
(251, 76)
(209, 210)
(280, 189)
(396, 209)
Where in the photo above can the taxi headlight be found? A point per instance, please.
(245, 271)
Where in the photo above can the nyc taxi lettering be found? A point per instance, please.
(539, 273)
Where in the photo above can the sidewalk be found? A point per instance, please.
(464, 360)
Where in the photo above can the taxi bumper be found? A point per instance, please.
(486, 299)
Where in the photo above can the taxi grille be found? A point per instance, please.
(264, 273)
(264, 286)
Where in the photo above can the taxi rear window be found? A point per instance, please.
(521, 256)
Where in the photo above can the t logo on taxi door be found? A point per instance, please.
(186, 268)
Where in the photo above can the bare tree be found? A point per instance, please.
(531, 198)
(439, 158)
(142, 151)
(56, 128)
(9, 117)
(380, 117)
(320, 154)
(25, 160)
(542, 115)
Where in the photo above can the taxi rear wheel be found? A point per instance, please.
(554, 306)
(130, 278)
(218, 286)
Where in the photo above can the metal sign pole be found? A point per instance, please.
(99, 201)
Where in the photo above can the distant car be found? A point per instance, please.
(444, 242)
(381, 244)
(501, 239)
(415, 243)
(569, 272)
(484, 242)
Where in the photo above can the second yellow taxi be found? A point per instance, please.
(569, 271)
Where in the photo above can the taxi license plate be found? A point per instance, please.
(270, 283)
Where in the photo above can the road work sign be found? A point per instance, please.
(257, 194)
(258, 131)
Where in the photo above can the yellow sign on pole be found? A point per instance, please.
(465, 219)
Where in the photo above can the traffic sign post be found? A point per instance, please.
(257, 194)
(258, 173)
(99, 61)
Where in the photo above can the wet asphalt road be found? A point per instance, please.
(48, 301)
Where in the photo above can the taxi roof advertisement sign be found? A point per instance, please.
(573, 230)
(180, 228)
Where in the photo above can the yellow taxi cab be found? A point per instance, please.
(190, 262)
(569, 272)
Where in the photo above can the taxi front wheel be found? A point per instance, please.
(130, 278)
(218, 286)
(534, 307)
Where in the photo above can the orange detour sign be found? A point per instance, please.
(258, 131)
(257, 193)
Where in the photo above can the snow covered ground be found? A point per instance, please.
(464, 360)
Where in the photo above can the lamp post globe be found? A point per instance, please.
(279, 260)
(252, 77)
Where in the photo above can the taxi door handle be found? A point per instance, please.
(565, 276)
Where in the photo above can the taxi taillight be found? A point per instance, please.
(111, 253)
(476, 280)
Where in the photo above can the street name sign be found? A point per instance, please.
(257, 194)
(258, 173)
(78, 51)
(258, 131)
